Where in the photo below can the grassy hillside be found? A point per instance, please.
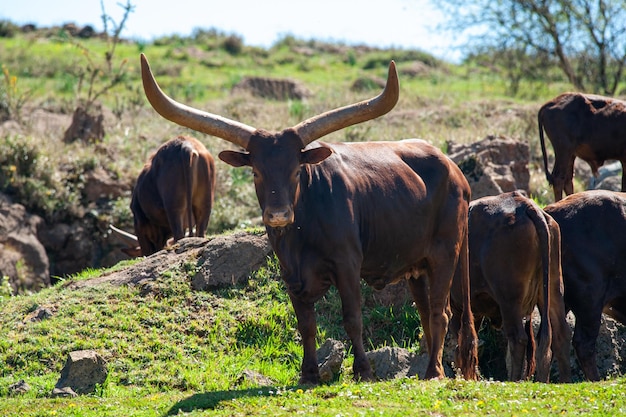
(438, 102)
(172, 350)
(169, 350)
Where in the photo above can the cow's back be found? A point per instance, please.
(592, 126)
(505, 251)
(390, 201)
(593, 236)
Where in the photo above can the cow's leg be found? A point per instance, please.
(517, 341)
(561, 333)
(568, 185)
(439, 282)
(349, 289)
(201, 216)
(584, 340)
(539, 355)
(419, 291)
(307, 326)
(175, 215)
(561, 339)
(563, 174)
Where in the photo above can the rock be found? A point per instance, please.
(20, 387)
(390, 362)
(73, 247)
(230, 259)
(276, 89)
(87, 125)
(66, 392)
(100, 185)
(609, 178)
(395, 362)
(254, 378)
(84, 370)
(42, 313)
(22, 257)
(493, 165)
(330, 357)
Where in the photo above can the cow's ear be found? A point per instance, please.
(315, 155)
(234, 158)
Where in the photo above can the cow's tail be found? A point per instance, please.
(467, 357)
(531, 348)
(543, 148)
(544, 352)
(189, 161)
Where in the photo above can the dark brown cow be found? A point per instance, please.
(382, 211)
(174, 192)
(593, 242)
(586, 126)
(515, 265)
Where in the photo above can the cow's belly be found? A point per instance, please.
(381, 272)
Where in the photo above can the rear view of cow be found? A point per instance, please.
(593, 239)
(173, 194)
(515, 266)
(586, 126)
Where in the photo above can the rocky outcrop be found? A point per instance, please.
(494, 165)
(23, 258)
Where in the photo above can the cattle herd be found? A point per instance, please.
(388, 211)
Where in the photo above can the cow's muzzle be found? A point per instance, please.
(278, 217)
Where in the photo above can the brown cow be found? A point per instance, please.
(382, 211)
(173, 193)
(593, 242)
(515, 265)
(587, 126)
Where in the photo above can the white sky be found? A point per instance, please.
(383, 23)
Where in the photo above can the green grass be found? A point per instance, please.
(171, 350)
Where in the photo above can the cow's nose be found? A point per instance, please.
(278, 217)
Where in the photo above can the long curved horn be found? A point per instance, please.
(331, 121)
(128, 238)
(211, 124)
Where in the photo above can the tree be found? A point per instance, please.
(587, 38)
(99, 76)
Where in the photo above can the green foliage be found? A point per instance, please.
(171, 350)
(101, 73)
(6, 290)
(26, 176)
(12, 98)
(8, 29)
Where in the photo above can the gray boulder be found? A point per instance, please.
(493, 165)
(230, 259)
(84, 370)
(22, 257)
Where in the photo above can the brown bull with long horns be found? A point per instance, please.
(335, 213)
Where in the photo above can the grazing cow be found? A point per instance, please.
(593, 248)
(382, 211)
(173, 193)
(587, 126)
(515, 265)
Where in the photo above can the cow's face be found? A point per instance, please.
(276, 162)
